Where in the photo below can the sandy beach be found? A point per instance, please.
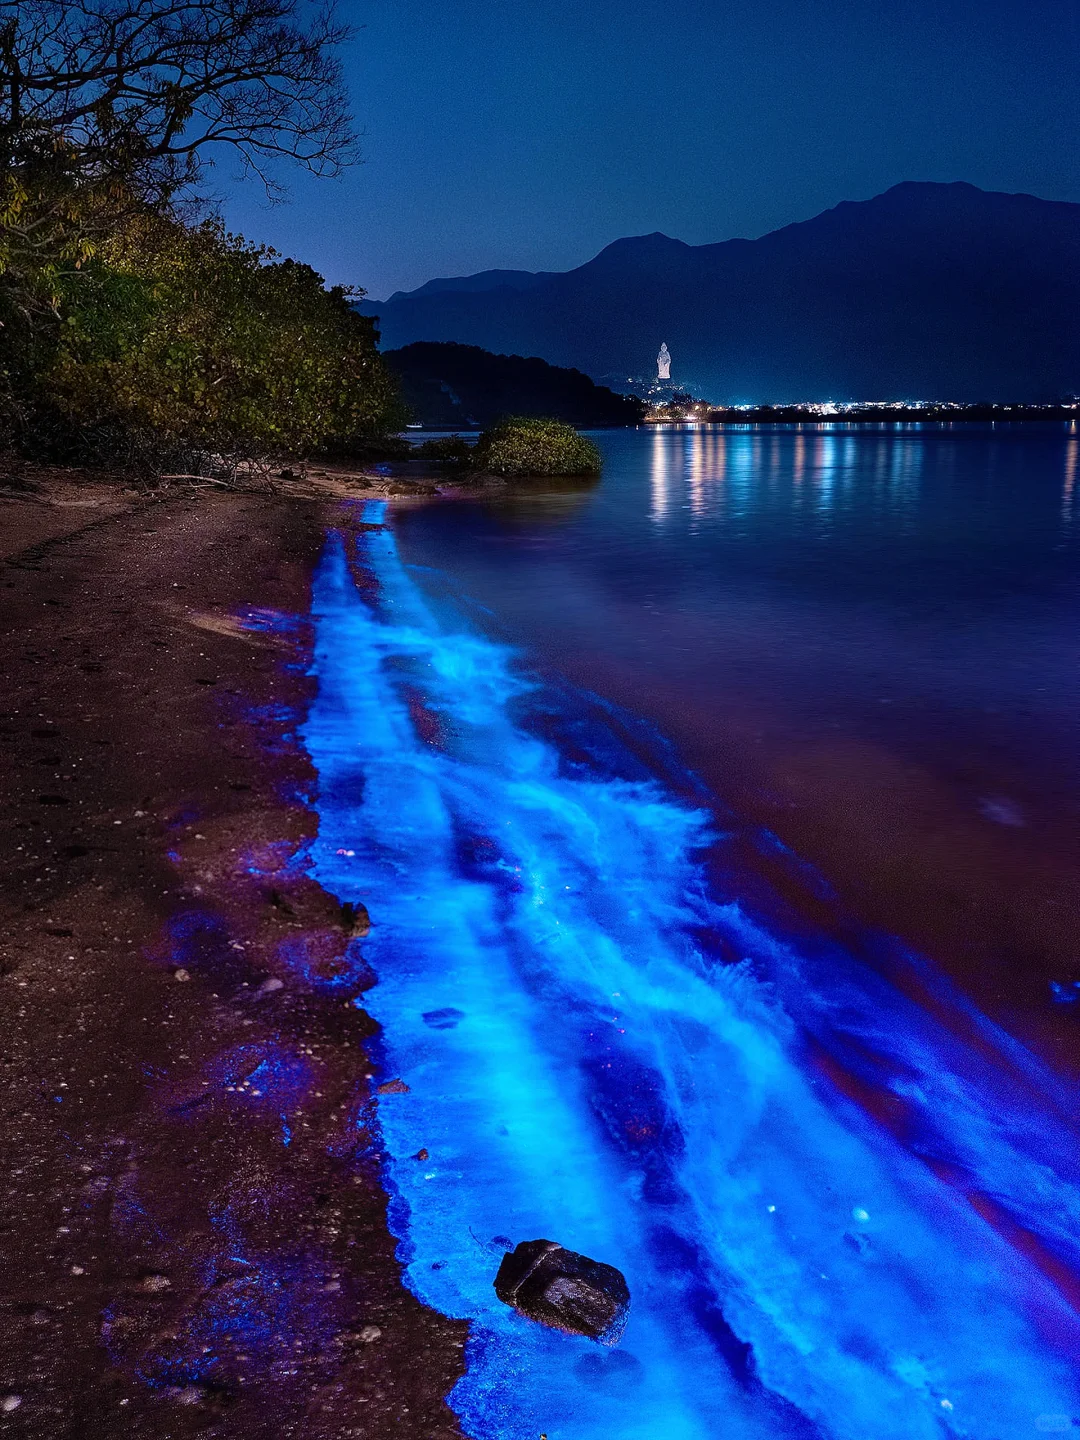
(168, 1202)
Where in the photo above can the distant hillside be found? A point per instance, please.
(485, 280)
(450, 386)
(926, 292)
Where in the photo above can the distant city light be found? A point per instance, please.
(667, 406)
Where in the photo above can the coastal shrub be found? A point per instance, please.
(526, 446)
(181, 338)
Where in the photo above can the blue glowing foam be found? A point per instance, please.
(842, 1212)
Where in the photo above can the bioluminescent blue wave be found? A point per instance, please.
(846, 1205)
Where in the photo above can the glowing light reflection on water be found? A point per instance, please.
(841, 1213)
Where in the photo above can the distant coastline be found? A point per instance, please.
(863, 414)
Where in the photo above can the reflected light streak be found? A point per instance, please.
(827, 472)
(696, 472)
(1068, 493)
(660, 477)
(799, 468)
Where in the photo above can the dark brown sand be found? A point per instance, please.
(152, 1210)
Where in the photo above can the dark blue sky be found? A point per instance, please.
(530, 133)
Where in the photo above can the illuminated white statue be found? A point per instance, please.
(663, 363)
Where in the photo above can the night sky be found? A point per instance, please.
(530, 133)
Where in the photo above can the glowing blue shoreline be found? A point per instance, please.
(794, 1270)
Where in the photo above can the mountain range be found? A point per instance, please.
(929, 291)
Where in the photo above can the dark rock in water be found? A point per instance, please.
(355, 919)
(567, 1291)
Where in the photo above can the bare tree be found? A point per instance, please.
(112, 102)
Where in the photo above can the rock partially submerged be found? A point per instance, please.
(565, 1290)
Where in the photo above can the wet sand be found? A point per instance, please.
(194, 1238)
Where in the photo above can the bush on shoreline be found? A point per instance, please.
(522, 446)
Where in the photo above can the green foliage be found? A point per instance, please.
(112, 107)
(192, 338)
(126, 335)
(526, 446)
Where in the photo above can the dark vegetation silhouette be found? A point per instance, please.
(135, 329)
(448, 386)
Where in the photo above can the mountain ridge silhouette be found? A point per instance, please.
(927, 291)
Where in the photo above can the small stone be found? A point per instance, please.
(156, 1283)
(565, 1290)
(394, 1087)
(181, 975)
(77, 1270)
(421, 1154)
(369, 1334)
(10, 1403)
(270, 985)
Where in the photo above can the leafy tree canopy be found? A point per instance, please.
(109, 107)
(128, 330)
(194, 337)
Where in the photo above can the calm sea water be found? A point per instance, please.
(717, 825)
(866, 639)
